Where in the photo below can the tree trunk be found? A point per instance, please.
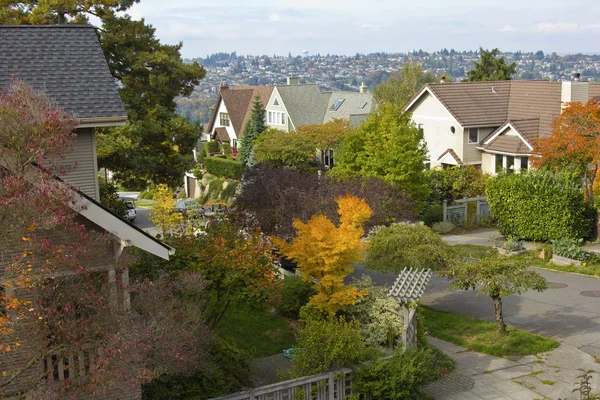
(499, 315)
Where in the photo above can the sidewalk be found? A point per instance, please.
(478, 376)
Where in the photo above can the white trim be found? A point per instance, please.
(500, 131)
(99, 123)
(469, 137)
(506, 153)
(276, 93)
(428, 90)
(449, 156)
(120, 228)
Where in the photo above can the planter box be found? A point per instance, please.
(505, 252)
(560, 260)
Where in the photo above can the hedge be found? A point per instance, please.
(223, 167)
(539, 205)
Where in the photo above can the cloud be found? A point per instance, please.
(594, 28)
(274, 17)
(560, 27)
(370, 27)
(509, 28)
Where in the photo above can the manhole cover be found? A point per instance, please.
(591, 293)
(558, 285)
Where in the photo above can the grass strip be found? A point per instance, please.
(482, 336)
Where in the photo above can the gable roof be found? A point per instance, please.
(238, 101)
(529, 105)
(305, 103)
(351, 108)
(66, 62)
(450, 155)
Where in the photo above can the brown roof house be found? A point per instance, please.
(231, 111)
(68, 64)
(494, 124)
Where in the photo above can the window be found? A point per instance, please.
(524, 163)
(337, 104)
(224, 119)
(363, 105)
(510, 164)
(236, 144)
(452, 130)
(275, 102)
(499, 162)
(473, 135)
(329, 158)
(421, 129)
(276, 118)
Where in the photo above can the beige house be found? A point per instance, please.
(492, 125)
(68, 64)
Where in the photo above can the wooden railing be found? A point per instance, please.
(60, 368)
(334, 385)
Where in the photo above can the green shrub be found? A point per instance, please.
(149, 195)
(570, 248)
(513, 245)
(443, 227)
(539, 205)
(225, 168)
(214, 190)
(226, 149)
(326, 343)
(226, 370)
(229, 191)
(432, 214)
(212, 147)
(456, 183)
(397, 378)
(377, 313)
(295, 293)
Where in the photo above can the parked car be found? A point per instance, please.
(190, 208)
(131, 211)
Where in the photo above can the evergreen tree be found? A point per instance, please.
(254, 127)
(491, 67)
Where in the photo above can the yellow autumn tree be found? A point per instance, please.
(325, 252)
(163, 213)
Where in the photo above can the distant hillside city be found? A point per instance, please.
(335, 72)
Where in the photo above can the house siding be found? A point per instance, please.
(488, 163)
(280, 108)
(437, 122)
(470, 153)
(82, 163)
(230, 130)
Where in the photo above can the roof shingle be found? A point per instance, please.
(66, 62)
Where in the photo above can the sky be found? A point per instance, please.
(365, 26)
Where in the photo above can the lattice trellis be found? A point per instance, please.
(410, 285)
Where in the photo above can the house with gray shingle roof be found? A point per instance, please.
(67, 63)
(492, 125)
(294, 105)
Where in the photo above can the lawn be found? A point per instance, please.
(471, 250)
(258, 331)
(482, 336)
(144, 203)
(474, 251)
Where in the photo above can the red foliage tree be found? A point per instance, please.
(58, 307)
(575, 143)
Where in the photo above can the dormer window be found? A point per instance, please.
(275, 102)
(337, 104)
(224, 117)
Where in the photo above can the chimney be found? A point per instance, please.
(223, 87)
(293, 80)
(442, 79)
(363, 87)
(574, 90)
